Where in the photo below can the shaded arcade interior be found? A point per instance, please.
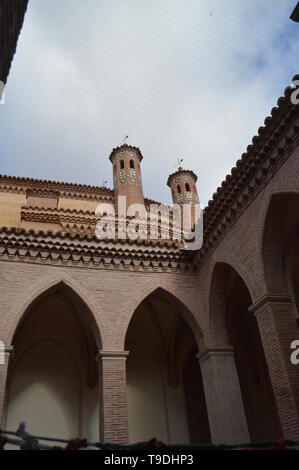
(233, 324)
(53, 378)
(165, 389)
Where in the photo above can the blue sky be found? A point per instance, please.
(183, 78)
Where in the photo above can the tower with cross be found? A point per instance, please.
(127, 181)
(183, 188)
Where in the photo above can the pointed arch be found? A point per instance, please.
(46, 284)
(172, 296)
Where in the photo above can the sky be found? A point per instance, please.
(191, 79)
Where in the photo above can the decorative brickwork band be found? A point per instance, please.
(113, 394)
(223, 396)
(278, 328)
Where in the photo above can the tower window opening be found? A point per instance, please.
(132, 164)
(122, 165)
(187, 187)
(179, 189)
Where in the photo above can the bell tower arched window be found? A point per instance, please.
(122, 165)
(132, 164)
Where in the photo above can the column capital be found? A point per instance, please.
(226, 350)
(268, 299)
(112, 355)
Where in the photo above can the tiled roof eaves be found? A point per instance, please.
(41, 247)
(21, 185)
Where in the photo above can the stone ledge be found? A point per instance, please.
(215, 351)
(269, 299)
(114, 356)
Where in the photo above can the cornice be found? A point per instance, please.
(269, 299)
(54, 215)
(226, 350)
(295, 14)
(19, 185)
(181, 172)
(41, 192)
(86, 250)
(114, 356)
(86, 221)
(268, 151)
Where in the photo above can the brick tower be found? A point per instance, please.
(127, 174)
(183, 189)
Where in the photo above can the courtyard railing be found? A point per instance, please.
(24, 441)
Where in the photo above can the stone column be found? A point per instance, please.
(8, 352)
(276, 319)
(113, 397)
(228, 424)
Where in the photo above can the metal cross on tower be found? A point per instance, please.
(179, 162)
(125, 140)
